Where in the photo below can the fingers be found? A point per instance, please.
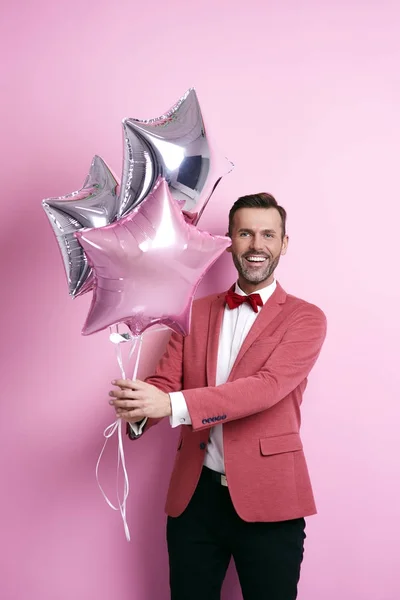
(129, 399)
(126, 404)
(130, 415)
(129, 384)
(128, 390)
(134, 412)
(125, 394)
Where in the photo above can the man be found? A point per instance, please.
(240, 485)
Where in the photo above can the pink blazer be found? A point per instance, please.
(259, 406)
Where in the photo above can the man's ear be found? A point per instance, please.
(230, 247)
(285, 244)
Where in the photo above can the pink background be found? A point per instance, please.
(304, 97)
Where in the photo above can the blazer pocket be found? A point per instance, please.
(280, 444)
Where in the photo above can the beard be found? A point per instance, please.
(251, 275)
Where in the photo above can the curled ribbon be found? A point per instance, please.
(136, 344)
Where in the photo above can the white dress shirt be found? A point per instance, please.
(236, 324)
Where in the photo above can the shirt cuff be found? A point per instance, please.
(180, 414)
(137, 428)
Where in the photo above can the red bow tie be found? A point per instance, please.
(234, 300)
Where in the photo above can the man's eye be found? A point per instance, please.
(244, 234)
(268, 235)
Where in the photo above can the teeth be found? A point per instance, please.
(256, 258)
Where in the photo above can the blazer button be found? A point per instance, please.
(202, 446)
(223, 417)
(204, 421)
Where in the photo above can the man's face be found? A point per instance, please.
(257, 246)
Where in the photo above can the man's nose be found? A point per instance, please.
(258, 242)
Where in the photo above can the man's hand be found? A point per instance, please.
(135, 400)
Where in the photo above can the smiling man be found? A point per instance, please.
(258, 241)
(240, 486)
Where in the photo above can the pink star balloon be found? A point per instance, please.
(147, 266)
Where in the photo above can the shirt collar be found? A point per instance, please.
(265, 292)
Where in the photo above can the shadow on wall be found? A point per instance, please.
(219, 278)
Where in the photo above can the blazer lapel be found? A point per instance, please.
(268, 312)
(214, 329)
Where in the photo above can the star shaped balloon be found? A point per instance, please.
(94, 205)
(174, 146)
(148, 265)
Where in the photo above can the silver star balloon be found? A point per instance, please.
(94, 205)
(174, 146)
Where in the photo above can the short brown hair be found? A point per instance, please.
(261, 200)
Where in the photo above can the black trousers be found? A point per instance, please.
(203, 539)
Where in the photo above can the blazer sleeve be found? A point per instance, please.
(169, 372)
(288, 365)
(168, 377)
